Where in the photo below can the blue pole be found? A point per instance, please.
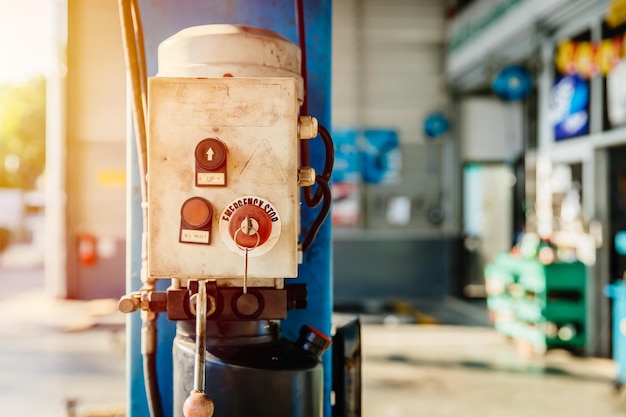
(161, 19)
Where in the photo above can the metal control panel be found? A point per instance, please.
(223, 194)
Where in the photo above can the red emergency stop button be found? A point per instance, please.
(195, 221)
(250, 226)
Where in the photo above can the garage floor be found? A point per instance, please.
(439, 371)
(66, 358)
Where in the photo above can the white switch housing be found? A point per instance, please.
(257, 121)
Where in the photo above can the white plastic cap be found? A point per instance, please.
(229, 51)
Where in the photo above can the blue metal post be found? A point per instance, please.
(163, 18)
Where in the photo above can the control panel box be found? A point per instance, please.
(223, 194)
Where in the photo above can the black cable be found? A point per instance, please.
(329, 162)
(153, 395)
(321, 216)
(323, 188)
(313, 199)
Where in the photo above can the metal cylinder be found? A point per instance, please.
(250, 371)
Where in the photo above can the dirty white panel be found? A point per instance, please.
(256, 120)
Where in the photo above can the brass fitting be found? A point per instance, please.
(306, 176)
(129, 303)
(307, 127)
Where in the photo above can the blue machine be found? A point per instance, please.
(161, 19)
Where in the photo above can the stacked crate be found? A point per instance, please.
(547, 302)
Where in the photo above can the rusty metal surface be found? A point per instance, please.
(272, 304)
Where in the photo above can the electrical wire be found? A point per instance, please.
(134, 52)
(155, 405)
(132, 35)
(322, 193)
(305, 159)
(314, 199)
(319, 220)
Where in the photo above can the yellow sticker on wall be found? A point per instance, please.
(112, 178)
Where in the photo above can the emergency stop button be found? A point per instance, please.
(250, 225)
(195, 221)
(210, 156)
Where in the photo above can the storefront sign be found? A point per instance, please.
(616, 15)
(476, 19)
(569, 107)
(491, 27)
(588, 59)
(616, 94)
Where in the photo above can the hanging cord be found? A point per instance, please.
(132, 36)
(148, 352)
(322, 193)
(305, 158)
(134, 51)
(329, 162)
(319, 220)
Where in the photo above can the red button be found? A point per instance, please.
(196, 212)
(250, 240)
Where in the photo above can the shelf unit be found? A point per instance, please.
(541, 305)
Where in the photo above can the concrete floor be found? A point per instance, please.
(53, 352)
(445, 371)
